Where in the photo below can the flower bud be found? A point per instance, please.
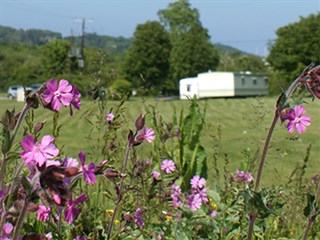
(71, 171)
(140, 122)
(37, 128)
(313, 82)
(109, 173)
(32, 100)
(9, 119)
(286, 114)
(130, 137)
(100, 166)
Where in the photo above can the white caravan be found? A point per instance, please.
(223, 84)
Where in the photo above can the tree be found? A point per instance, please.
(296, 46)
(192, 52)
(146, 63)
(236, 62)
(55, 57)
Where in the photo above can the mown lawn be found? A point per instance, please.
(242, 122)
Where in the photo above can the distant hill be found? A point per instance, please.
(112, 44)
(228, 49)
(10, 35)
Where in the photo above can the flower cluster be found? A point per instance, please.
(198, 194)
(55, 174)
(242, 176)
(175, 194)
(138, 219)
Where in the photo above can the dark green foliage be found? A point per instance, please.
(120, 88)
(56, 57)
(19, 65)
(192, 52)
(236, 62)
(146, 65)
(193, 158)
(296, 46)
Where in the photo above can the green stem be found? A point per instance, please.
(19, 121)
(3, 171)
(265, 150)
(120, 189)
(312, 216)
(20, 220)
(14, 134)
(279, 107)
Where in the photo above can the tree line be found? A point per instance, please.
(153, 61)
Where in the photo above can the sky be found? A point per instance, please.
(248, 25)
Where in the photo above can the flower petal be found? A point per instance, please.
(46, 141)
(299, 110)
(305, 120)
(66, 98)
(52, 85)
(28, 143)
(290, 126)
(55, 104)
(82, 157)
(301, 128)
(64, 86)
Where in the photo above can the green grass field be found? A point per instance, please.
(243, 123)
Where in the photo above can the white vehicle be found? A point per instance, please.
(12, 91)
(223, 84)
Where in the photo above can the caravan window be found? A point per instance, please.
(243, 81)
(188, 87)
(266, 81)
(254, 81)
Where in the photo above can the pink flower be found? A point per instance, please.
(148, 134)
(80, 238)
(203, 195)
(197, 182)
(70, 162)
(43, 213)
(7, 230)
(138, 220)
(194, 202)
(38, 153)
(242, 176)
(49, 236)
(213, 214)
(2, 194)
(71, 212)
(168, 166)
(297, 120)
(155, 175)
(110, 117)
(88, 170)
(58, 95)
(175, 194)
(160, 236)
(75, 99)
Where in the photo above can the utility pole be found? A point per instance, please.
(82, 37)
(81, 57)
